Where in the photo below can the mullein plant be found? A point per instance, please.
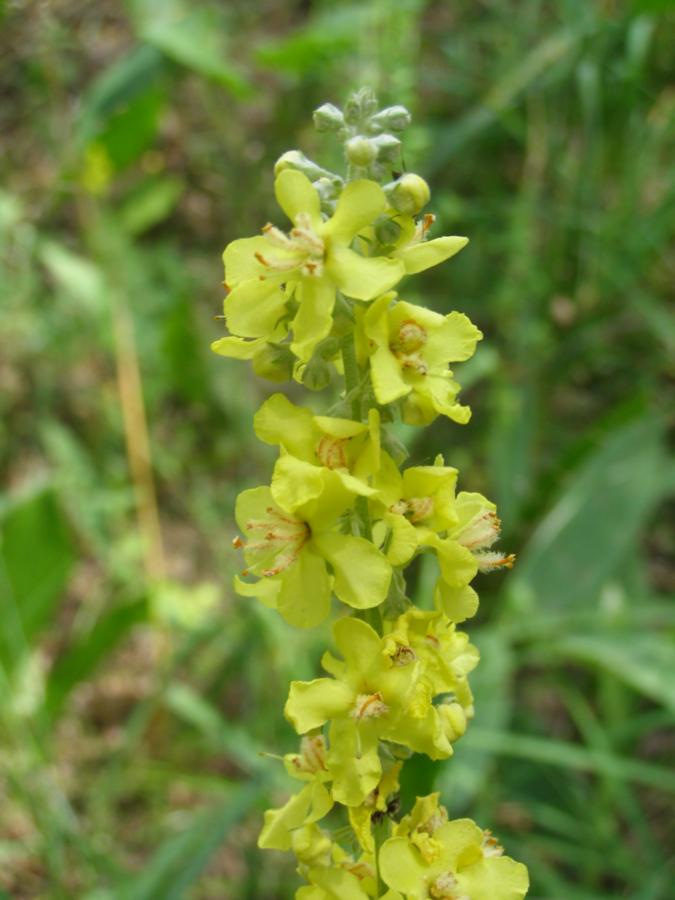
(315, 300)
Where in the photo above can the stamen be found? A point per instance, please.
(489, 562)
(420, 508)
(403, 655)
(407, 348)
(369, 706)
(445, 887)
(305, 249)
(411, 336)
(312, 756)
(360, 869)
(490, 845)
(281, 541)
(330, 452)
(481, 532)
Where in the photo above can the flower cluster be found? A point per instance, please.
(315, 301)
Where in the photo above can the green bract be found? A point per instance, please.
(341, 518)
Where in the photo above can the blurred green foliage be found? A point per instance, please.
(136, 693)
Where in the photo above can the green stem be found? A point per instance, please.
(380, 835)
(352, 375)
(352, 380)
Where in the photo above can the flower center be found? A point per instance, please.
(302, 249)
(408, 346)
(445, 888)
(282, 537)
(369, 706)
(330, 452)
(415, 509)
(312, 756)
(411, 336)
(403, 655)
(434, 822)
(360, 869)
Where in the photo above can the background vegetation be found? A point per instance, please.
(136, 692)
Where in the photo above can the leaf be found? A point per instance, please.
(118, 86)
(80, 660)
(594, 523)
(319, 43)
(462, 780)
(221, 735)
(132, 129)
(553, 50)
(511, 443)
(645, 661)
(36, 558)
(569, 756)
(150, 203)
(191, 35)
(78, 276)
(180, 859)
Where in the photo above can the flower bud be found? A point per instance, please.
(453, 718)
(393, 118)
(387, 231)
(360, 151)
(295, 159)
(360, 106)
(316, 374)
(409, 194)
(328, 189)
(273, 363)
(388, 147)
(328, 118)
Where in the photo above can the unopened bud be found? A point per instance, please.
(329, 191)
(295, 159)
(453, 719)
(409, 194)
(387, 231)
(388, 147)
(360, 151)
(316, 374)
(328, 118)
(393, 118)
(273, 363)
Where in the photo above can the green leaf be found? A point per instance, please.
(191, 35)
(180, 859)
(131, 130)
(150, 203)
(644, 660)
(594, 523)
(81, 659)
(118, 86)
(36, 558)
(318, 44)
(511, 443)
(569, 756)
(79, 277)
(221, 735)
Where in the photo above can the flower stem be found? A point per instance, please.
(351, 370)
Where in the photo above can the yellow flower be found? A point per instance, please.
(409, 349)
